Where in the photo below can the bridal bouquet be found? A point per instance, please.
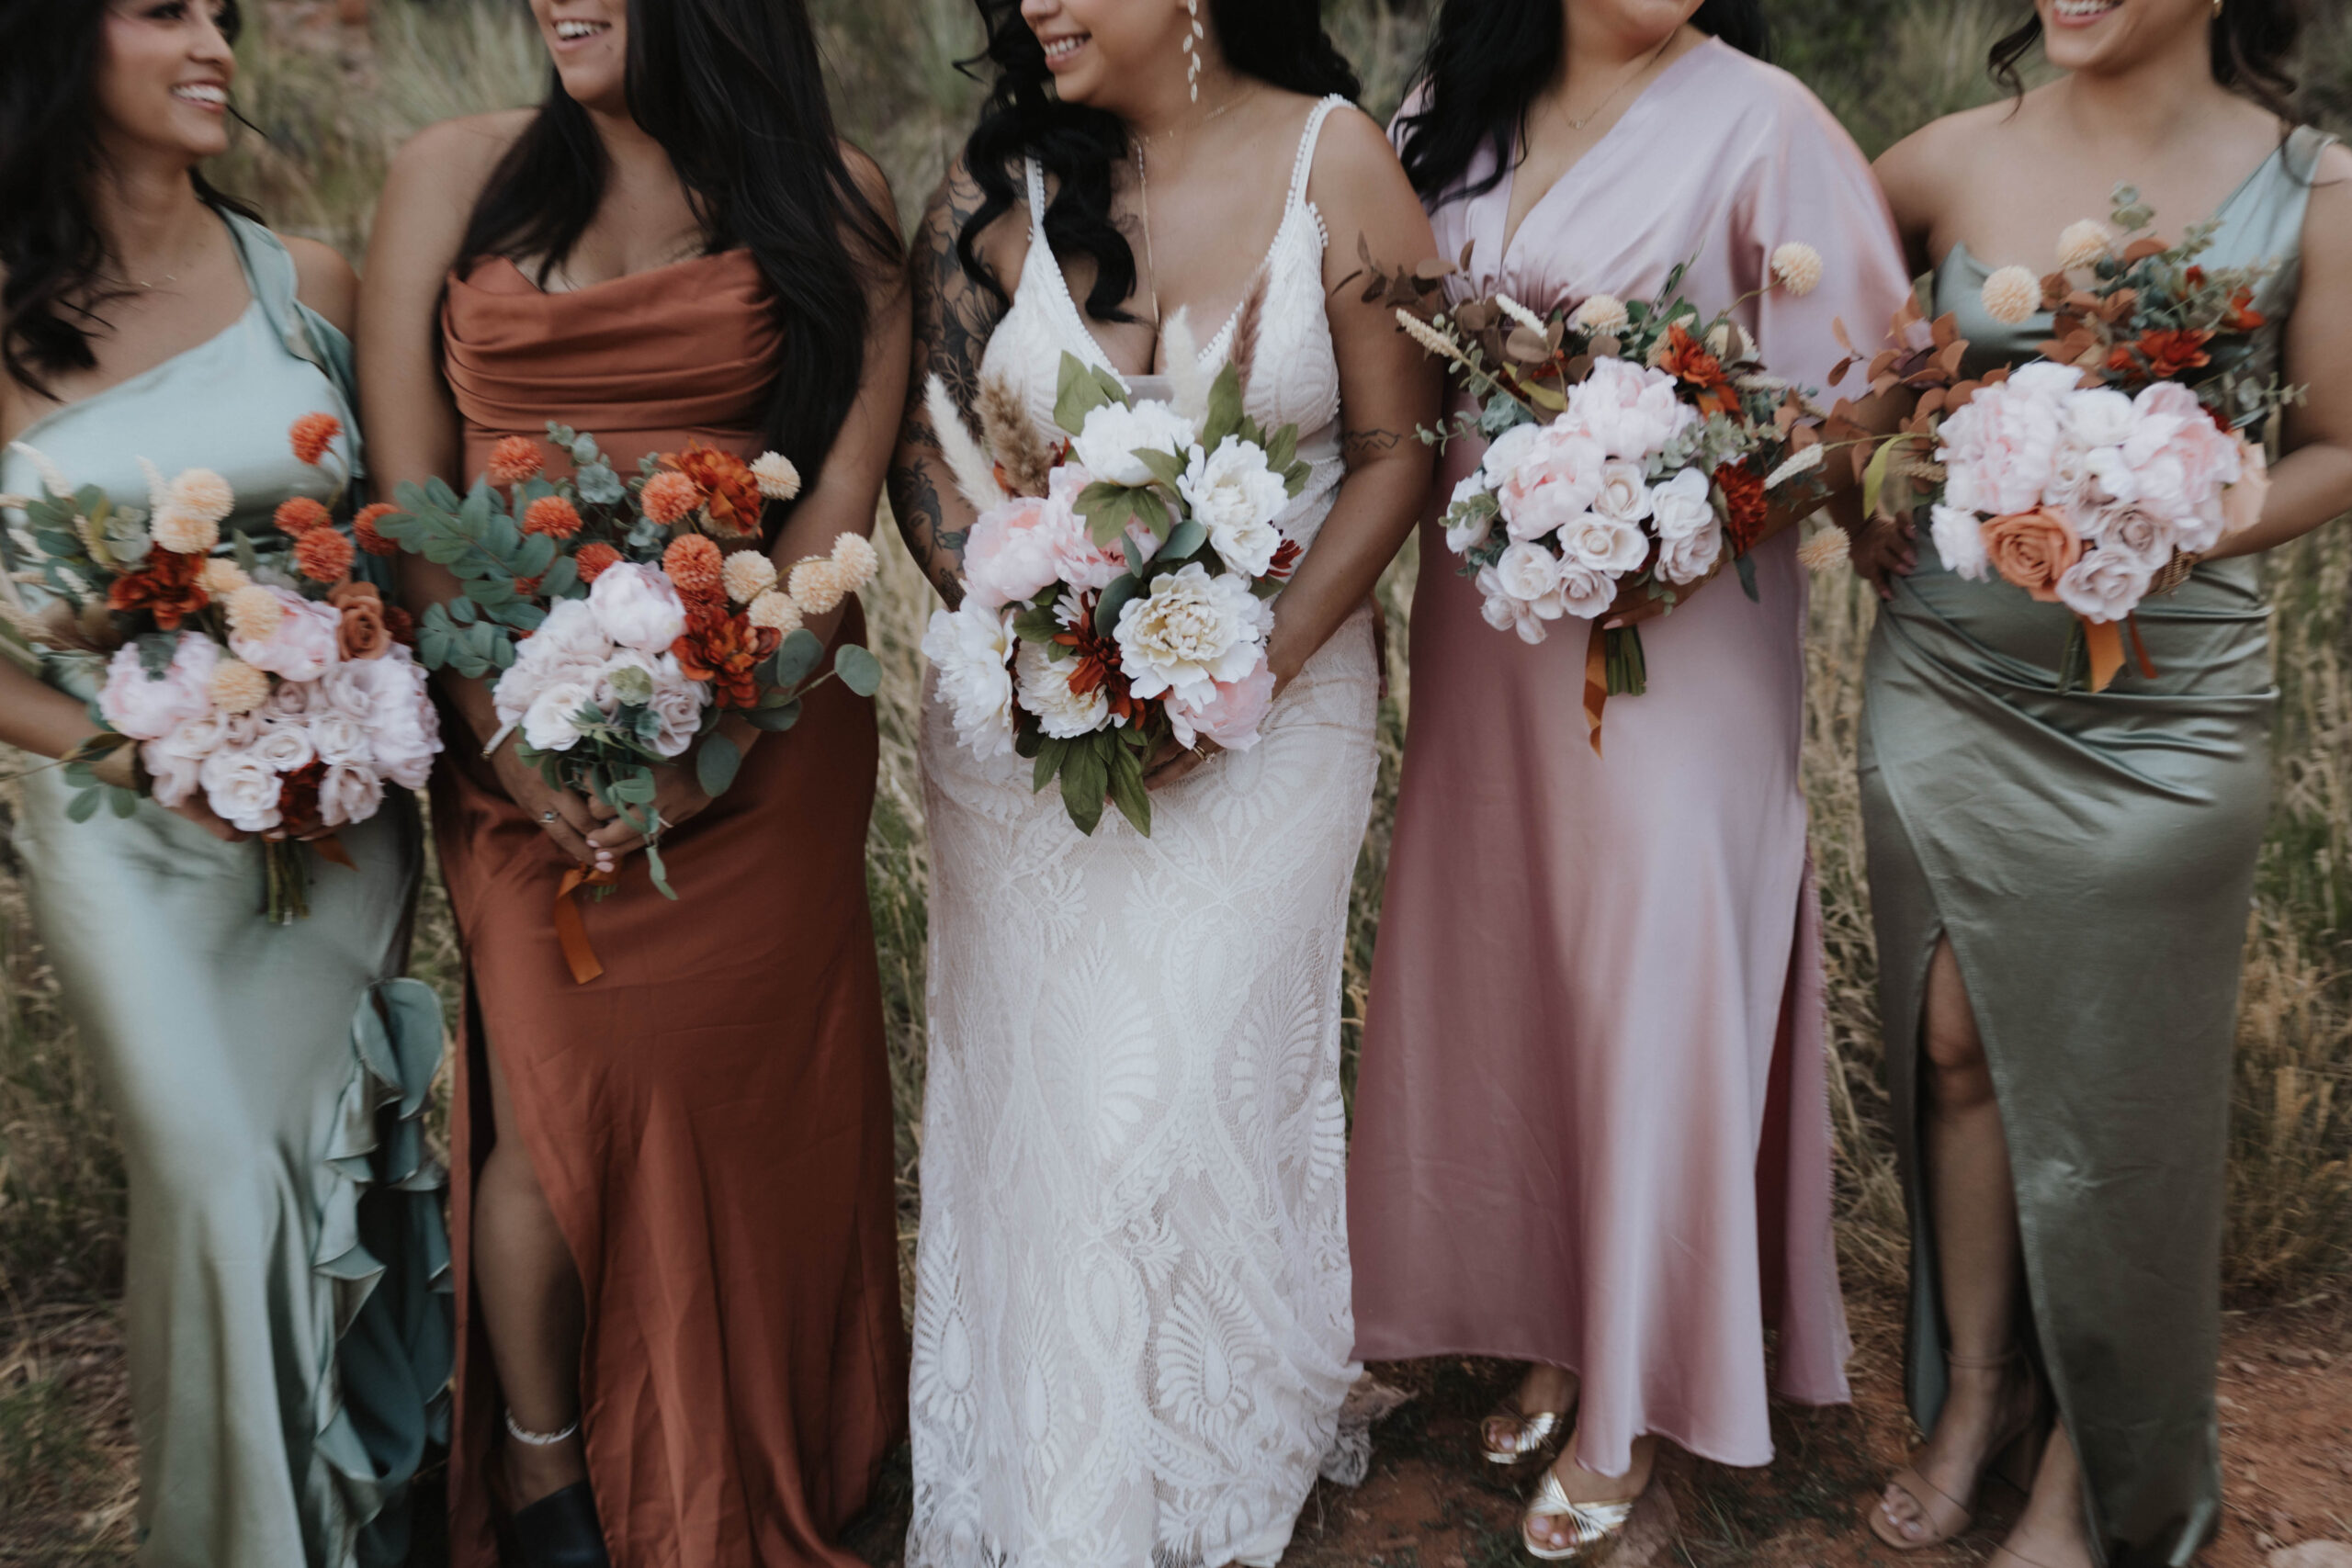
(2101, 472)
(267, 678)
(1634, 448)
(1117, 588)
(619, 623)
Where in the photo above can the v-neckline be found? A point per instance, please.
(1509, 238)
(1961, 248)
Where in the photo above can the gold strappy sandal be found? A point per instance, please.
(1596, 1529)
(2016, 1452)
(1531, 1437)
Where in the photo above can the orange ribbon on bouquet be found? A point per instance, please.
(2103, 640)
(331, 848)
(1595, 681)
(570, 932)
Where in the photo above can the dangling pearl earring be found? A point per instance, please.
(1196, 32)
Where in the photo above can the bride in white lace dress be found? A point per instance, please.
(1133, 1333)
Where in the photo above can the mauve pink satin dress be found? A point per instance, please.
(1591, 1122)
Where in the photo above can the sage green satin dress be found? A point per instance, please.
(285, 1300)
(2091, 857)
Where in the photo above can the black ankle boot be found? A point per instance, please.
(559, 1530)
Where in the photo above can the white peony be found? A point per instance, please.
(1114, 432)
(551, 722)
(1602, 544)
(1045, 691)
(349, 795)
(1236, 497)
(404, 729)
(241, 789)
(969, 648)
(636, 607)
(1960, 539)
(2099, 416)
(1684, 506)
(1630, 409)
(2104, 584)
(1189, 631)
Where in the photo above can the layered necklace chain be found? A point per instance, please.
(1143, 203)
(1638, 72)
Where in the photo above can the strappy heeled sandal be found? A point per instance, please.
(1531, 1437)
(1596, 1529)
(2016, 1452)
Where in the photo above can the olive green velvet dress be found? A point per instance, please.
(2091, 857)
(286, 1301)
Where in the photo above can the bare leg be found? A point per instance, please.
(2050, 1533)
(1975, 1211)
(531, 1307)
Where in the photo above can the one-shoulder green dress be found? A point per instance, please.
(2091, 857)
(286, 1305)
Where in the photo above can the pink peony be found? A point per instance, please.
(148, 708)
(1230, 715)
(1551, 478)
(2184, 458)
(301, 647)
(2000, 450)
(1014, 551)
(1630, 409)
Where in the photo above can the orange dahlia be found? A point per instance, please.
(1744, 509)
(323, 555)
(298, 515)
(731, 491)
(1688, 361)
(725, 651)
(671, 498)
(313, 434)
(694, 566)
(363, 529)
(552, 514)
(514, 459)
(593, 559)
(168, 586)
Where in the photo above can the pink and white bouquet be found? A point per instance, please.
(1117, 589)
(1634, 447)
(267, 678)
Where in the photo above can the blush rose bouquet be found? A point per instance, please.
(620, 619)
(256, 668)
(1634, 448)
(1117, 589)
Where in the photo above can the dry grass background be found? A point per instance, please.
(333, 115)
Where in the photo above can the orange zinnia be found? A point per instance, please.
(593, 559)
(694, 566)
(514, 459)
(552, 515)
(363, 529)
(313, 434)
(730, 494)
(298, 515)
(670, 499)
(323, 555)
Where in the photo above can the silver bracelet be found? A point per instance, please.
(541, 1439)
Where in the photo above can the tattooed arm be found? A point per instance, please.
(954, 314)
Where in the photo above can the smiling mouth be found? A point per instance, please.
(1059, 50)
(203, 94)
(572, 31)
(2080, 11)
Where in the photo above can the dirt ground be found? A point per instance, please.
(67, 1456)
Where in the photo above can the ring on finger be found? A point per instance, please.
(548, 819)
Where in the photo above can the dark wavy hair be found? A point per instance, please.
(1278, 41)
(2253, 44)
(1487, 61)
(52, 303)
(734, 92)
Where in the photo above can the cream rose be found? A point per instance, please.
(241, 789)
(349, 795)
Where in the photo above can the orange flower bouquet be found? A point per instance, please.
(252, 666)
(621, 619)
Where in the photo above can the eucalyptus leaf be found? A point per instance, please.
(797, 655)
(1187, 536)
(657, 872)
(859, 669)
(83, 806)
(561, 579)
(1114, 599)
(123, 801)
(715, 764)
(776, 719)
(461, 611)
(599, 486)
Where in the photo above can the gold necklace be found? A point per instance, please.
(1639, 72)
(1143, 201)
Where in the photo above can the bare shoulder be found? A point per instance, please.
(2327, 222)
(446, 164)
(1354, 163)
(324, 280)
(1940, 154)
(867, 175)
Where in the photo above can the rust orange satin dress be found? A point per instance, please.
(710, 1118)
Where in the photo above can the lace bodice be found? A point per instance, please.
(1294, 375)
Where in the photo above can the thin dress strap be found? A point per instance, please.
(1303, 163)
(1036, 178)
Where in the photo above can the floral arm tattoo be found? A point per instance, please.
(954, 315)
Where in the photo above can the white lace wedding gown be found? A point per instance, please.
(1133, 1328)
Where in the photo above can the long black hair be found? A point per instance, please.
(734, 92)
(1278, 41)
(1487, 61)
(2253, 44)
(50, 155)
